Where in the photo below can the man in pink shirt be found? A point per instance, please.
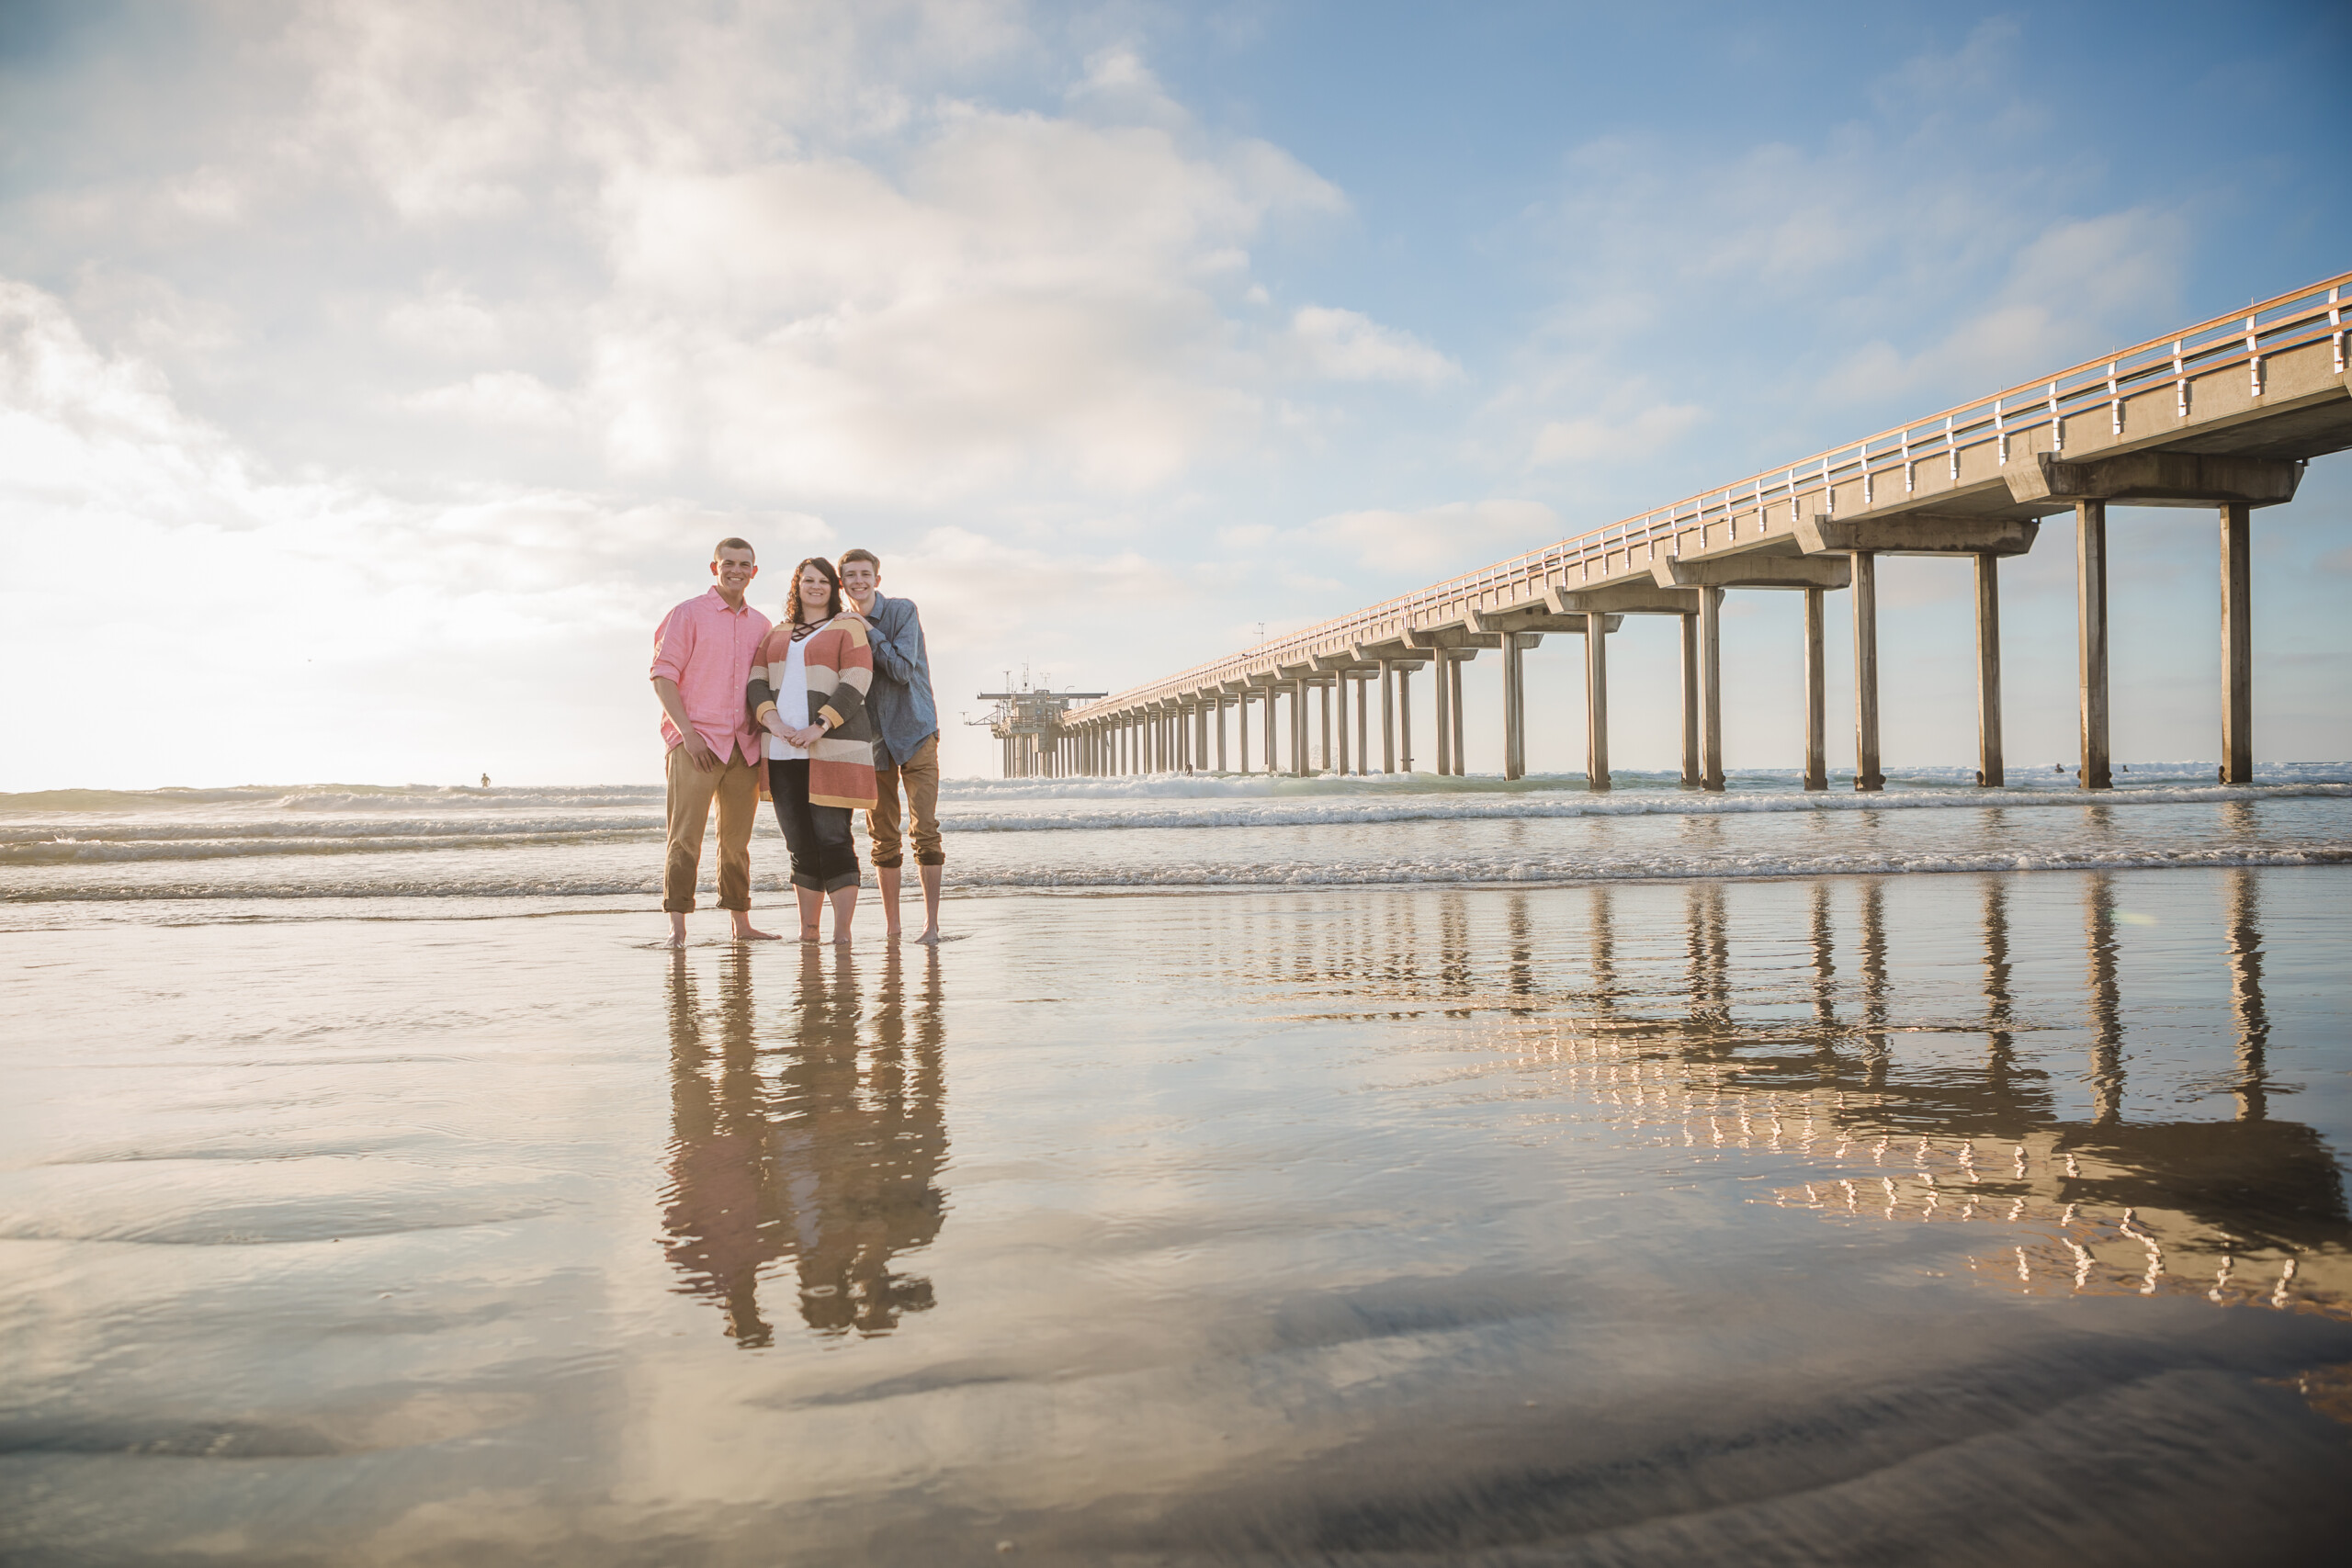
(702, 670)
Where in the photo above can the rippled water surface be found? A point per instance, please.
(1986, 1217)
(551, 847)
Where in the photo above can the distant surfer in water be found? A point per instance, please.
(702, 664)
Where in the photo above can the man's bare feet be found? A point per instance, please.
(930, 938)
(677, 929)
(746, 931)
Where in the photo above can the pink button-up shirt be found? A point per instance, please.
(707, 650)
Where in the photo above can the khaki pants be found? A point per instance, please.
(737, 786)
(920, 774)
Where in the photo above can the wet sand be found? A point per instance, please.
(1937, 1219)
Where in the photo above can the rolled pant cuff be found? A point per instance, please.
(893, 863)
(671, 906)
(930, 857)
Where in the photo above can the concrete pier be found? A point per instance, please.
(1867, 773)
(1451, 665)
(1989, 771)
(1691, 718)
(2090, 639)
(1405, 715)
(1710, 689)
(1514, 708)
(1596, 702)
(2224, 414)
(1444, 705)
(2237, 644)
(1816, 690)
(1387, 716)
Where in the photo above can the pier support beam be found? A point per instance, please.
(1988, 671)
(1324, 690)
(1710, 689)
(1362, 722)
(2237, 644)
(2090, 636)
(1387, 716)
(1691, 700)
(1514, 708)
(1273, 763)
(1596, 702)
(1816, 695)
(1454, 699)
(1444, 707)
(1299, 729)
(1867, 775)
(1405, 716)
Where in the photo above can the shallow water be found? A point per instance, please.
(398, 853)
(1944, 1219)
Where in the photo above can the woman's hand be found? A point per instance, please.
(806, 735)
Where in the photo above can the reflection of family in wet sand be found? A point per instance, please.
(828, 713)
(806, 1142)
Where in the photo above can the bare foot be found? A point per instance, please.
(890, 933)
(677, 930)
(930, 938)
(841, 938)
(746, 931)
(808, 932)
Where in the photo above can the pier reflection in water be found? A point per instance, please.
(814, 1136)
(1782, 1053)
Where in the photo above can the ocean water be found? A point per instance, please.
(1975, 1219)
(178, 854)
(1389, 1172)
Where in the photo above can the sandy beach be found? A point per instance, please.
(1939, 1219)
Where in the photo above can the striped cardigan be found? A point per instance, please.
(841, 673)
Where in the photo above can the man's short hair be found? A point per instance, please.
(866, 555)
(732, 543)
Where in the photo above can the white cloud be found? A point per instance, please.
(313, 622)
(1438, 540)
(1341, 346)
(499, 399)
(1600, 440)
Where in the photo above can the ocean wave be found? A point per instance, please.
(1459, 870)
(77, 851)
(250, 803)
(1279, 813)
(63, 840)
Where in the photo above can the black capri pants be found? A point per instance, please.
(823, 858)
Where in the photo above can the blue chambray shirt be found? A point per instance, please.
(904, 714)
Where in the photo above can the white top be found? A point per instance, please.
(792, 702)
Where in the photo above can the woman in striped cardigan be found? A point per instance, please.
(809, 684)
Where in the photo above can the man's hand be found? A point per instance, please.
(698, 751)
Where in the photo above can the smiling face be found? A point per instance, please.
(859, 579)
(816, 594)
(734, 567)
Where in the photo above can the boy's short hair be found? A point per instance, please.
(867, 556)
(731, 543)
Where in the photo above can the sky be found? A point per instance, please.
(373, 378)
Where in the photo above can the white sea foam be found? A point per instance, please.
(355, 841)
